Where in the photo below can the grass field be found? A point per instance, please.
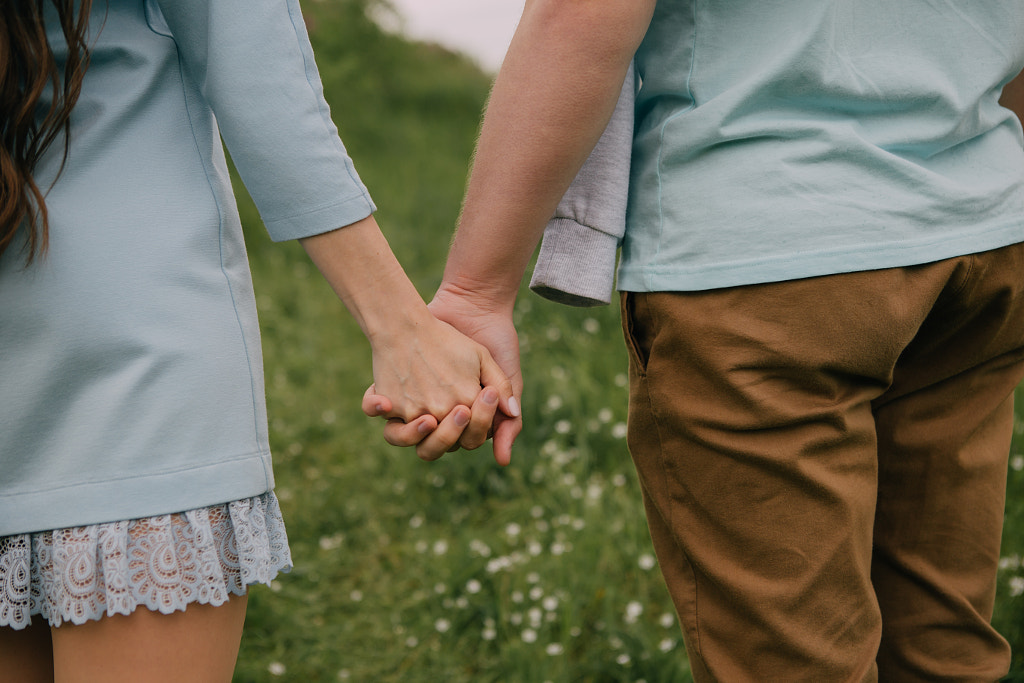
(458, 570)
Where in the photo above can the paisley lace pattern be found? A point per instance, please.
(162, 563)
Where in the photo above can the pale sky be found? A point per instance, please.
(480, 28)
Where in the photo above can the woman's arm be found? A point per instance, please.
(421, 364)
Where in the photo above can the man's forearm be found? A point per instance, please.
(551, 101)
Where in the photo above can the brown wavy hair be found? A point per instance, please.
(28, 71)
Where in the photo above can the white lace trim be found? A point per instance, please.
(162, 563)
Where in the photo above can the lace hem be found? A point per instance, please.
(162, 563)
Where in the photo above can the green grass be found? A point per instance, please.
(457, 570)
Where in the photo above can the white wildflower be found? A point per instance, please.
(1011, 562)
(633, 611)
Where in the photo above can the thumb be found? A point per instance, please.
(491, 375)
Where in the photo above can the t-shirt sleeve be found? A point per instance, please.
(253, 63)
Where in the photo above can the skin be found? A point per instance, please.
(120, 649)
(424, 366)
(551, 101)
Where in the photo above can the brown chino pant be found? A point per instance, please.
(823, 465)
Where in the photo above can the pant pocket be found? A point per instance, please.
(635, 329)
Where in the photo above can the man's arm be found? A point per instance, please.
(551, 101)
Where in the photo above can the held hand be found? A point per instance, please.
(464, 427)
(494, 329)
(491, 326)
(430, 370)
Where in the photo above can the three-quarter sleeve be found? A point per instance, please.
(252, 62)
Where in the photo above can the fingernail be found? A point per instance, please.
(490, 396)
(423, 427)
(513, 406)
(461, 418)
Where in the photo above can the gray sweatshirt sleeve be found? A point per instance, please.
(576, 263)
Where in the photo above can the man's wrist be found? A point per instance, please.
(475, 297)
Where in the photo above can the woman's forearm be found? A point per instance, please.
(361, 268)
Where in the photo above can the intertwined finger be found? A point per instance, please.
(398, 433)
(482, 417)
(447, 434)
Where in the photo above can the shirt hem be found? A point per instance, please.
(646, 278)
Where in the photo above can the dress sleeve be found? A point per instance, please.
(253, 64)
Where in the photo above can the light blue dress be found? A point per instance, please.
(132, 415)
(130, 354)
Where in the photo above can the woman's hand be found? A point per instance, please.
(491, 325)
(428, 368)
(423, 366)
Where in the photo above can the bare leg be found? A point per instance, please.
(199, 645)
(27, 655)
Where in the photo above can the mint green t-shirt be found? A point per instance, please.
(131, 380)
(782, 139)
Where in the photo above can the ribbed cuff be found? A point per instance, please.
(576, 264)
